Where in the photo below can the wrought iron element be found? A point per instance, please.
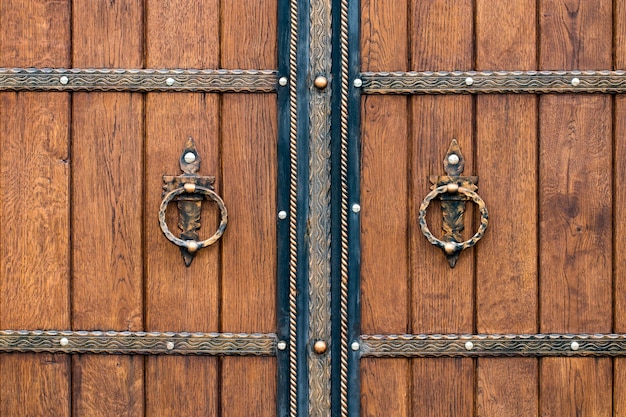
(494, 82)
(188, 190)
(142, 80)
(453, 190)
(137, 343)
(531, 345)
(320, 64)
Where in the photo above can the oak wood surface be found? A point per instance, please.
(506, 163)
(442, 298)
(107, 223)
(249, 131)
(575, 207)
(34, 230)
(180, 34)
(385, 201)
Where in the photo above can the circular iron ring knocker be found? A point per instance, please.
(193, 245)
(452, 247)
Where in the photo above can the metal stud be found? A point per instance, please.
(64, 80)
(170, 345)
(190, 187)
(190, 157)
(356, 208)
(282, 214)
(358, 83)
(64, 341)
(575, 82)
(281, 345)
(469, 345)
(283, 81)
(574, 345)
(320, 347)
(320, 82)
(453, 159)
(355, 346)
(469, 81)
(170, 81)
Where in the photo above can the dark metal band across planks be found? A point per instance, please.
(139, 80)
(487, 82)
(138, 343)
(534, 345)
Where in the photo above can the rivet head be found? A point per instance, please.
(170, 81)
(575, 82)
(192, 246)
(320, 347)
(320, 82)
(469, 345)
(453, 188)
(356, 208)
(190, 157)
(355, 346)
(454, 159)
(575, 346)
(469, 81)
(282, 81)
(64, 80)
(189, 187)
(170, 345)
(450, 248)
(358, 83)
(64, 341)
(282, 214)
(281, 345)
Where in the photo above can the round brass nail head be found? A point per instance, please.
(320, 347)
(192, 246)
(189, 187)
(320, 82)
(453, 188)
(450, 248)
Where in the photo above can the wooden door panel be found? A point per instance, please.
(545, 264)
(97, 259)
(34, 280)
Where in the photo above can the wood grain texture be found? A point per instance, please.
(506, 162)
(442, 298)
(507, 387)
(107, 223)
(575, 207)
(619, 195)
(34, 230)
(249, 131)
(385, 199)
(181, 34)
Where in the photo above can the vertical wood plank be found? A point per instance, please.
(619, 274)
(107, 154)
(180, 34)
(442, 298)
(506, 162)
(384, 220)
(575, 207)
(34, 230)
(249, 131)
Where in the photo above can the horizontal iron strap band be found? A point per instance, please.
(138, 343)
(488, 82)
(536, 345)
(138, 80)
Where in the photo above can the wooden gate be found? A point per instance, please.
(326, 124)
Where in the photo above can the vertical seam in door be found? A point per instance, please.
(70, 302)
(410, 207)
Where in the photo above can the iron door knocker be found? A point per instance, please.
(189, 190)
(453, 190)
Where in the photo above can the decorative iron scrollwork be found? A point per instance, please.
(453, 190)
(189, 190)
